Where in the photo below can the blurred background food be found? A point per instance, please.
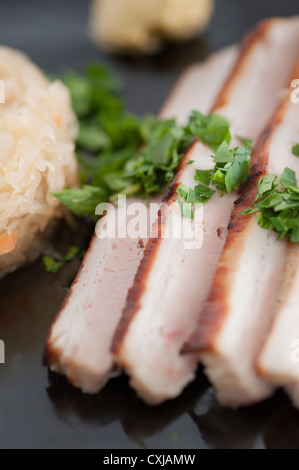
(141, 26)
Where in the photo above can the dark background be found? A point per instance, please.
(38, 409)
(54, 34)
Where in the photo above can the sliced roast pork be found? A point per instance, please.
(79, 342)
(279, 360)
(199, 85)
(240, 307)
(173, 280)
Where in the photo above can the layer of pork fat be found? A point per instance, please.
(173, 281)
(240, 307)
(79, 342)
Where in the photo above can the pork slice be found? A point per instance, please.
(79, 341)
(238, 313)
(161, 306)
(173, 281)
(279, 359)
(199, 85)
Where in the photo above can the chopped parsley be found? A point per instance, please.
(231, 166)
(53, 265)
(230, 170)
(277, 205)
(72, 253)
(82, 201)
(188, 196)
(295, 150)
(120, 153)
(203, 176)
(211, 130)
(202, 194)
(192, 198)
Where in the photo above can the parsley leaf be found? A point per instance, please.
(186, 193)
(223, 154)
(120, 153)
(92, 137)
(82, 201)
(202, 194)
(188, 196)
(97, 89)
(295, 150)
(198, 196)
(277, 205)
(72, 253)
(243, 140)
(203, 176)
(238, 172)
(231, 166)
(211, 130)
(186, 209)
(288, 177)
(51, 265)
(265, 184)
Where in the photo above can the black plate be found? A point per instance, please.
(39, 409)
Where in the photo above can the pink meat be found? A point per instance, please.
(279, 358)
(79, 341)
(238, 313)
(173, 281)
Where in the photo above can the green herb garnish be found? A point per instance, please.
(83, 201)
(203, 176)
(72, 253)
(202, 194)
(51, 265)
(231, 166)
(193, 198)
(277, 205)
(120, 153)
(295, 150)
(230, 170)
(211, 130)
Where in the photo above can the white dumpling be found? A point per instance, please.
(142, 25)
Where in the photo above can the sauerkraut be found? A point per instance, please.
(37, 132)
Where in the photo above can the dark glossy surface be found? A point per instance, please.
(38, 409)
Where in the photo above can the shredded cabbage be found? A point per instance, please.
(37, 132)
